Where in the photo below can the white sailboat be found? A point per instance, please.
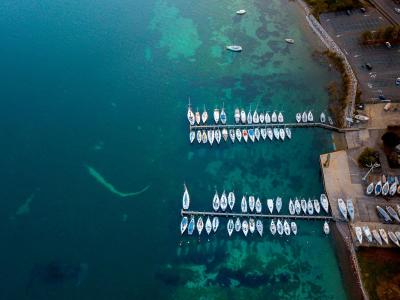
(282, 134)
(231, 200)
(288, 132)
(393, 238)
(317, 207)
(222, 116)
(210, 136)
(208, 225)
(258, 206)
(279, 227)
(252, 203)
(274, 117)
(237, 115)
(322, 117)
(223, 201)
(270, 134)
(286, 227)
(204, 115)
(256, 117)
(367, 233)
(190, 115)
(310, 207)
(267, 118)
(270, 204)
(384, 236)
(232, 135)
(245, 135)
(298, 117)
(326, 228)
(257, 133)
(200, 225)
(358, 234)
(350, 209)
(184, 224)
(252, 225)
(230, 227)
(304, 117)
(324, 202)
(225, 134)
(197, 117)
(239, 134)
(262, 118)
(218, 135)
(249, 117)
(293, 226)
(303, 203)
(251, 134)
(263, 133)
(280, 117)
(243, 116)
(260, 227)
(192, 136)
(310, 117)
(204, 137)
(342, 208)
(185, 197)
(272, 227)
(245, 227)
(216, 201)
(215, 224)
(291, 207)
(276, 133)
(238, 225)
(216, 115)
(377, 236)
(191, 226)
(243, 205)
(297, 206)
(234, 48)
(198, 136)
(278, 204)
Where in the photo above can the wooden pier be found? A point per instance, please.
(255, 215)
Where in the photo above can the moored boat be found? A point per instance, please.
(252, 225)
(210, 136)
(262, 117)
(245, 227)
(237, 115)
(218, 135)
(231, 200)
(251, 134)
(245, 135)
(293, 226)
(243, 116)
(272, 227)
(310, 207)
(263, 133)
(310, 117)
(342, 208)
(216, 115)
(192, 136)
(276, 133)
(238, 134)
(184, 224)
(358, 234)
(279, 227)
(326, 228)
(397, 233)
(393, 213)
(303, 204)
(288, 132)
(291, 207)
(185, 197)
(378, 188)
(258, 206)
(270, 205)
(317, 207)
(243, 205)
(286, 227)
(252, 203)
(204, 115)
(322, 118)
(198, 136)
(215, 202)
(324, 202)
(222, 116)
(350, 209)
(215, 224)
(274, 117)
(393, 189)
(384, 236)
(282, 134)
(223, 201)
(385, 188)
(204, 137)
(238, 225)
(383, 214)
(280, 117)
(367, 233)
(190, 115)
(256, 117)
(393, 238)
(267, 118)
(297, 206)
(257, 133)
(200, 225)
(260, 227)
(225, 134)
(191, 226)
(230, 226)
(278, 204)
(270, 134)
(304, 117)
(377, 236)
(208, 225)
(232, 135)
(197, 117)
(249, 117)
(298, 117)
(370, 188)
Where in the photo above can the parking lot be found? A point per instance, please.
(346, 30)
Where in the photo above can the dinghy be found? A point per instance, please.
(326, 228)
(317, 207)
(297, 206)
(288, 132)
(378, 188)
(324, 202)
(243, 205)
(303, 204)
(230, 226)
(252, 225)
(267, 118)
(377, 236)
(393, 189)
(190, 115)
(367, 233)
(216, 115)
(276, 133)
(245, 135)
(293, 226)
(304, 117)
(350, 209)
(342, 208)
(197, 117)
(272, 227)
(393, 238)
(192, 136)
(260, 227)
(385, 188)
(208, 225)
(237, 115)
(263, 133)
(310, 117)
(310, 207)
(278, 204)
(274, 117)
(210, 136)
(232, 135)
(258, 206)
(286, 227)
(216, 201)
(231, 200)
(204, 137)
(256, 118)
(330, 121)
(280, 117)
(249, 117)
(225, 134)
(262, 117)
(191, 226)
(358, 234)
(270, 204)
(291, 207)
(238, 134)
(215, 224)
(245, 227)
(322, 118)
(198, 136)
(289, 41)
(282, 134)
(218, 135)
(251, 134)
(223, 201)
(243, 116)
(222, 117)
(279, 227)
(204, 115)
(384, 236)
(383, 214)
(252, 203)
(184, 224)
(185, 197)
(270, 134)
(298, 117)
(238, 225)
(200, 225)
(370, 188)
(393, 213)
(257, 133)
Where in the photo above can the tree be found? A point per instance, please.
(390, 139)
(368, 157)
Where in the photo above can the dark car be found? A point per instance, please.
(363, 10)
(381, 97)
(348, 12)
(368, 66)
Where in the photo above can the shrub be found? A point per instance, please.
(368, 157)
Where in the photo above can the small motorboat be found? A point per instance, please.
(298, 117)
(342, 208)
(249, 117)
(222, 116)
(310, 117)
(286, 227)
(218, 135)
(191, 226)
(185, 197)
(326, 228)
(190, 115)
(251, 134)
(270, 134)
(280, 117)
(210, 136)
(270, 204)
(258, 206)
(263, 133)
(291, 207)
(361, 118)
(288, 132)
(310, 207)
(303, 204)
(262, 117)
(243, 116)
(350, 209)
(198, 136)
(370, 188)
(267, 118)
(383, 178)
(304, 117)
(231, 200)
(367, 233)
(293, 226)
(274, 117)
(317, 207)
(200, 225)
(358, 234)
(223, 201)
(215, 224)
(243, 205)
(297, 206)
(377, 236)
(385, 188)
(278, 204)
(383, 214)
(322, 117)
(282, 134)
(245, 135)
(216, 115)
(245, 227)
(276, 133)
(256, 117)
(225, 134)
(272, 227)
(237, 115)
(238, 225)
(234, 48)
(252, 225)
(240, 12)
(257, 133)
(324, 202)
(393, 238)
(393, 189)
(215, 202)
(260, 227)
(252, 203)
(197, 117)
(232, 135)
(204, 137)
(238, 134)
(184, 224)
(204, 115)
(230, 226)
(289, 41)
(393, 213)
(279, 227)
(208, 225)
(384, 236)
(378, 188)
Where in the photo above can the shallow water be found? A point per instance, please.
(106, 85)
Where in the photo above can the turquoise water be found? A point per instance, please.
(94, 97)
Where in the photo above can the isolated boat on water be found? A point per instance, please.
(223, 201)
(384, 236)
(231, 200)
(215, 224)
(326, 228)
(293, 227)
(279, 227)
(184, 224)
(282, 134)
(278, 204)
(367, 233)
(291, 207)
(322, 118)
(272, 227)
(274, 117)
(260, 227)
(324, 202)
(252, 225)
(239, 134)
(377, 236)
(191, 226)
(204, 116)
(303, 204)
(393, 238)
(237, 115)
(267, 118)
(317, 207)
(243, 116)
(252, 203)
(297, 206)
(378, 188)
(289, 41)
(276, 133)
(358, 234)
(230, 226)
(185, 198)
(393, 213)
(270, 134)
(243, 205)
(200, 225)
(258, 206)
(270, 204)
(238, 225)
(216, 115)
(342, 208)
(370, 188)
(298, 117)
(208, 225)
(245, 227)
(383, 214)
(350, 209)
(288, 132)
(192, 136)
(234, 48)
(280, 117)
(286, 227)
(216, 202)
(304, 117)
(310, 117)
(310, 207)
(232, 135)
(240, 12)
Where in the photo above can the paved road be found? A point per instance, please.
(387, 8)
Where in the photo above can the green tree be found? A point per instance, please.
(367, 157)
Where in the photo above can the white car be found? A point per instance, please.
(396, 9)
(388, 45)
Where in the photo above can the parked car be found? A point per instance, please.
(368, 66)
(388, 45)
(348, 12)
